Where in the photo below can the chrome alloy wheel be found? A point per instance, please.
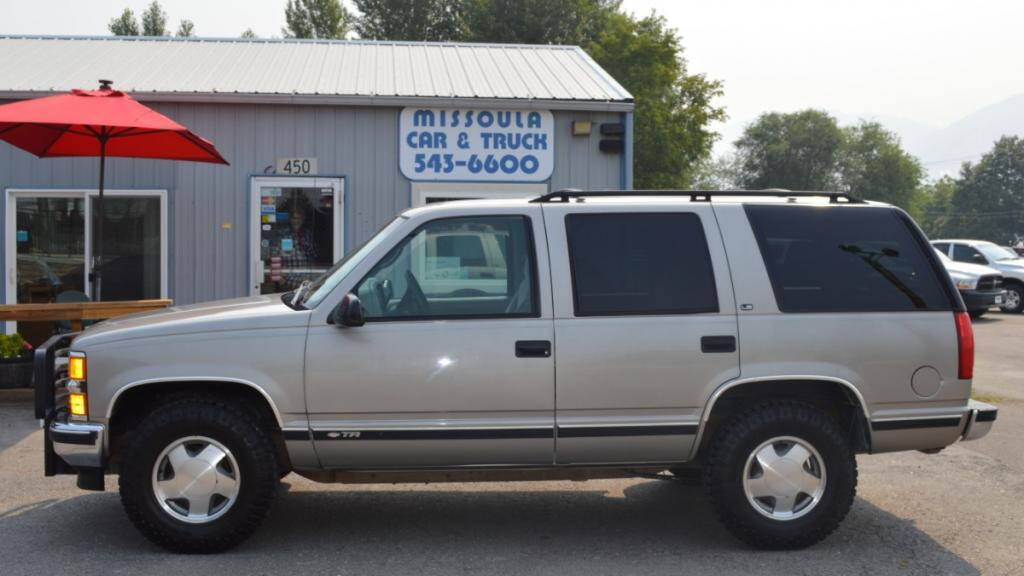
(196, 479)
(784, 478)
(1011, 300)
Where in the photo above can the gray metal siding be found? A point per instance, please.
(208, 262)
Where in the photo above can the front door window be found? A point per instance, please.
(455, 267)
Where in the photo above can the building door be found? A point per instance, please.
(297, 230)
(49, 240)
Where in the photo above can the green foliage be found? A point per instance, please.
(797, 151)
(933, 208)
(576, 22)
(11, 345)
(154, 20)
(988, 202)
(424, 20)
(125, 24)
(674, 109)
(872, 165)
(186, 29)
(248, 33)
(316, 19)
(721, 173)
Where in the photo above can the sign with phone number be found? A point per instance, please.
(482, 145)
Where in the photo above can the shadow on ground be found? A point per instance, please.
(650, 527)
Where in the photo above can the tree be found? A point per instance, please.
(674, 109)
(316, 19)
(721, 173)
(988, 201)
(933, 208)
(186, 29)
(797, 151)
(154, 20)
(576, 22)
(430, 20)
(248, 33)
(873, 166)
(125, 24)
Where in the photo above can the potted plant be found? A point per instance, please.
(15, 361)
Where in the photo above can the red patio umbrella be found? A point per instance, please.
(102, 123)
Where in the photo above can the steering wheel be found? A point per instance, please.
(414, 302)
(382, 288)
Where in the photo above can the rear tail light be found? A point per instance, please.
(965, 345)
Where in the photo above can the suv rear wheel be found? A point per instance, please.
(781, 475)
(198, 474)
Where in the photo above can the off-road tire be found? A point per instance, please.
(736, 440)
(225, 421)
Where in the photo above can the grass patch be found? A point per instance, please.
(987, 398)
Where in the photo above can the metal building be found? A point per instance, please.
(327, 141)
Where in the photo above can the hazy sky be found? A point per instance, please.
(928, 61)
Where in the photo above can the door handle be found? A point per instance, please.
(717, 344)
(533, 348)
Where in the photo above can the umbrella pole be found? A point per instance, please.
(97, 269)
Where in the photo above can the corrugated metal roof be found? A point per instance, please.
(308, 71)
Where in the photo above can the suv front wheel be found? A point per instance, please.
(781, 475)
(198, 474)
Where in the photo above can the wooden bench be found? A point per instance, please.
(76, 312)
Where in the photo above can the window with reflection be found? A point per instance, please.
(469, 267)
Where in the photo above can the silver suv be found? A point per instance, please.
(763, 339)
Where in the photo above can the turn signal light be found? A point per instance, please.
(76, 403)
(76, 368)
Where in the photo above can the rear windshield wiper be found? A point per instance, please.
(872, 259)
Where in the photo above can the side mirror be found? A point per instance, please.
(349, 312)
(979, 259)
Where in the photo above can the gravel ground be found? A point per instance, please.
(958, 512)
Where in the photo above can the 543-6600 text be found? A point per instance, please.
(489, 164)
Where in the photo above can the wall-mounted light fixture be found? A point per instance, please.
(581, 127)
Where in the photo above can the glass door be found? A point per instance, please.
(48, 247)
(297, 230)
(132, 246)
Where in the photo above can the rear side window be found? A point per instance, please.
(942, 247)
(845, 259)
(637, 263)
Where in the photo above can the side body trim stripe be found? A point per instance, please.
(495, 433)
(911, 424)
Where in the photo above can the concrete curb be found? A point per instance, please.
(17, 396)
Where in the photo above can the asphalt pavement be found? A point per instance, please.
(957, 512)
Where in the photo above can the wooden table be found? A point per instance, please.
(76, 312)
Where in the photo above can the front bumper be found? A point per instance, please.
(980, 417)
(983, 299)
(79, 444)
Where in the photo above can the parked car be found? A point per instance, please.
(979, 286)
(1006, 261)
(763, 339)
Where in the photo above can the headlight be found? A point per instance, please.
(963, 281)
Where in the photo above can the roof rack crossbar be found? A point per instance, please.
(566, 194)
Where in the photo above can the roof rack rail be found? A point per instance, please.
(567, 194)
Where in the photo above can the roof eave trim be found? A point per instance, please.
(354, 100)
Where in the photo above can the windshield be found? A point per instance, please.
(323, 285)
(995, 252)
